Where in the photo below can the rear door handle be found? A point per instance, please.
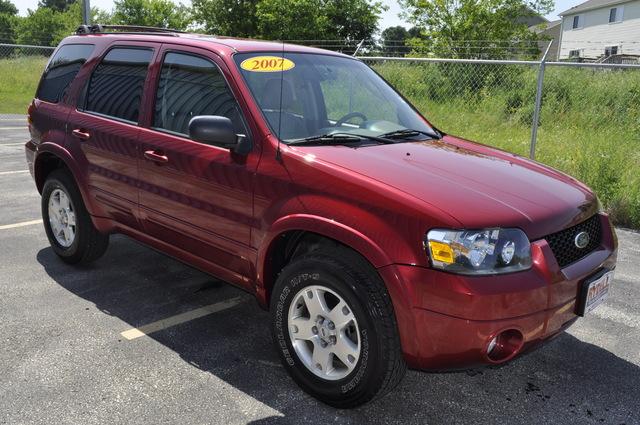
(82, 135)
(156, 157)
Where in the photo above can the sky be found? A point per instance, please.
(390, 17)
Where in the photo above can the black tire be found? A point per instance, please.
(381, 365)
(89, 244)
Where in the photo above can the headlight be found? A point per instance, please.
(479, 252)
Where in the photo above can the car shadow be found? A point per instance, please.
(566, 381)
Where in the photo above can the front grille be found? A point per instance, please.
(563, 243)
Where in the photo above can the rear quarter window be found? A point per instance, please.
(61, 71)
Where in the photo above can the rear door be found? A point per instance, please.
(105, 128)
(196, 196)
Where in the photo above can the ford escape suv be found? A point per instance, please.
(376, 241)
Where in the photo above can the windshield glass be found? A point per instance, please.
(322, 94)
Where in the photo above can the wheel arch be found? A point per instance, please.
(290, 233)
(51, 157)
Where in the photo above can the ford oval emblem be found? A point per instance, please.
(582, 240)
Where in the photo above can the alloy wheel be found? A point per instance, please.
(324, 332)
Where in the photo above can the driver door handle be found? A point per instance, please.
(80, 134)
(156, 157)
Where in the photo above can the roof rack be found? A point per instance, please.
(125, 29)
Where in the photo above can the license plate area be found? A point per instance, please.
(593, 291)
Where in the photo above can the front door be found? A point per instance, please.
(195, 196)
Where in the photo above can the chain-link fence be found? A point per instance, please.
(588, 114)
(15, 51)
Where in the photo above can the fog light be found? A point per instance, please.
(505, 345)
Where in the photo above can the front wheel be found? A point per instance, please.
(67, 222)
(335, 328)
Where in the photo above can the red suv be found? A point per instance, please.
(376, 241)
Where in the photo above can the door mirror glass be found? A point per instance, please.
(214, 130)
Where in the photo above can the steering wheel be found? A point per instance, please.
(350, 115)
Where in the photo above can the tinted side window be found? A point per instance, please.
(115, 88)
(191, 86)
(62, 70)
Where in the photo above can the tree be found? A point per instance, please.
(473, 28)
(393, 40)
(8, 26)
(353, 19)
(346, 20)
(234, 18)
(152, 13)
(8, 8)
(46, 26)
(57, 5)
(8, 21)
(290, 19)
(40, 27)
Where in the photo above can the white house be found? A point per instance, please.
(600, 28)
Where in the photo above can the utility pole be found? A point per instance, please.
(86, 12)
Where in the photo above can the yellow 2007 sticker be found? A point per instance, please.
(267, 64)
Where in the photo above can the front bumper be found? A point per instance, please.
(452, 317)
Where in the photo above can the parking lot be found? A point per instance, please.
(206, 355)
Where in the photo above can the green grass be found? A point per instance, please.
(18, 82)
(589, 125)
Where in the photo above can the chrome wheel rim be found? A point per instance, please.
(324, 332)
(62, 218)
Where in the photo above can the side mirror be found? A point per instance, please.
(216, 130)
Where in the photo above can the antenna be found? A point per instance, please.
(358, 48)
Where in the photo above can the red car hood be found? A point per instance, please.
(477, 185)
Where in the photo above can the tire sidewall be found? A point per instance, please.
(292, 280)
(56, 182)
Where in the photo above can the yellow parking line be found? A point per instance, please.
(4, 173)
(180, 318)
(21, 224)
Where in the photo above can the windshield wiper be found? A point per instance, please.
(408, 132)
(339, 138)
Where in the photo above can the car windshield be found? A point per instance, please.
(304, 96)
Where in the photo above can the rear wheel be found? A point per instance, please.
(335, 329)
(67, 223)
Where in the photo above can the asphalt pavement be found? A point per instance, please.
(139, 338)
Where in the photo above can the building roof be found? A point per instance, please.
(591, 4)
(544, 27)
